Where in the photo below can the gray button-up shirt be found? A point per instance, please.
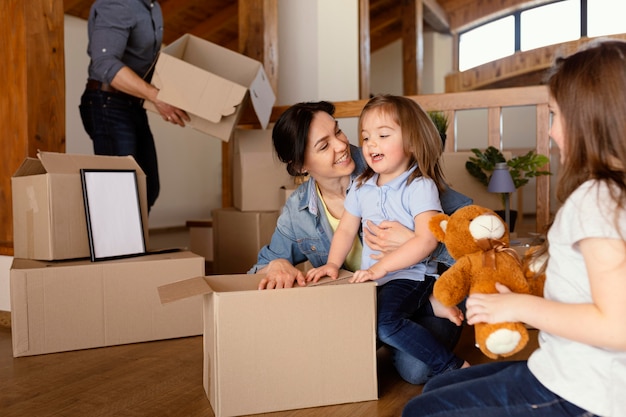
(123, 33)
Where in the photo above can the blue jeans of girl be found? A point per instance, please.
(496, 389)
(118, 125)
(421, 342)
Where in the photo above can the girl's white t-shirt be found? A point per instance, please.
(592, 377)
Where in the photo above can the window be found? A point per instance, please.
(551, 24)
(605, 17)
(535, 27)
(486, 43)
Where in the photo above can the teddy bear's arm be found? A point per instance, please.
(453, 285)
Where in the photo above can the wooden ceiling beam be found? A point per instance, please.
(435, 16)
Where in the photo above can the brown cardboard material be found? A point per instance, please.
(211, 83)
(70, 305)
(238, 236)
(268, 351)
(48, 211)
(258, 175)
(201, 238)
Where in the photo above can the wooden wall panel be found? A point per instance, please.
(32, 106)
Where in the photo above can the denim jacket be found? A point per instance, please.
(303, 232)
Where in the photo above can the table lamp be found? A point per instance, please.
(501, 182)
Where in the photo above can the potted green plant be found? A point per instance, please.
(440, 120)
(522, 168)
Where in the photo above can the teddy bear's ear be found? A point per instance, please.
(437, 226)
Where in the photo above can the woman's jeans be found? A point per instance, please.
(421, 343)
(118, 125)
(495, 389)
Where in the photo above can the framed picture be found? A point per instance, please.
(113, 213)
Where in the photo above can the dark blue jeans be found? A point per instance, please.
(421, 343)
(496, 389)
(118, 125)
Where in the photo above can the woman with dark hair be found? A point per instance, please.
(307, 138)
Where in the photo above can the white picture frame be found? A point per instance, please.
(113, 212)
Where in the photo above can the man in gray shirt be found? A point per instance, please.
(125, 37)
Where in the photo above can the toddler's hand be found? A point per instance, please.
(316, 274)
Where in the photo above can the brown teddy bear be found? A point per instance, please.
(478, 240)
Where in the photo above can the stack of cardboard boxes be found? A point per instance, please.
(259, 182)
(62, 301)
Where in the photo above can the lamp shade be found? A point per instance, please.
(501, 181)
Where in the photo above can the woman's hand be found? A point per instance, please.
(330, 270)
(385, 237)
(492, 308)
(280, 273)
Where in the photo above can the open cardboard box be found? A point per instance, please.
(211, 83)
(283, 349)
(49, 220)
(70, 305)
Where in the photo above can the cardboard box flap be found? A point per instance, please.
(184, 289)
(30, 166)
(228, 283)
(211, 97)
(62, 163)
(262, 97)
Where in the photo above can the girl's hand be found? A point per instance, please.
(315, 274)
(363, 275)
(492, 308)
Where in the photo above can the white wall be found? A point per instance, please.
(386, 66)
(318, 45)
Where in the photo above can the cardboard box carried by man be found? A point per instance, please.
(211, 83)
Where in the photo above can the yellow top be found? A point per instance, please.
(353, 260)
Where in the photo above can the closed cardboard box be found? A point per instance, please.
(268, 351)
(49, 220)
(70, 305)
(238, 236)
(258, 175)
(212, 84)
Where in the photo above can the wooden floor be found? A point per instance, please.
(162, 378)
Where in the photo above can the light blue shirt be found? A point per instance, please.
(303, 232)
(397, 201)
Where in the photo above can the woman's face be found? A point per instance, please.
(327, 152)
(556, 126)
